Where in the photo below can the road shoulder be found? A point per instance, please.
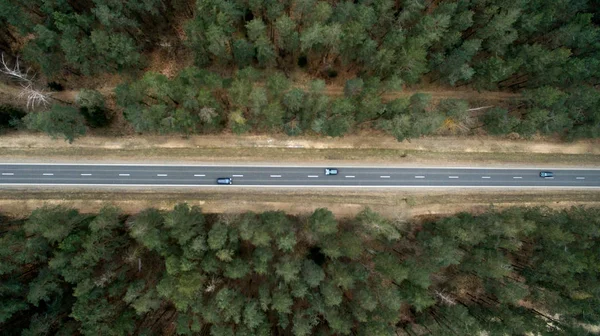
(257, 150)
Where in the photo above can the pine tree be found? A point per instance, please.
(59, 120)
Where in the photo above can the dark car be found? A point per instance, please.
(224, 180)
(331, 171)
(546, 174)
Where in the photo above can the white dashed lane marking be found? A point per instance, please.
(275, 175)
(486, 177)
(48, 174)
(350, 176)
(384, 176)
(313, 175)
(123, 174)
(452, 176)
(161, 175)
(86, 174)
(237, 175)
(580, 178)
(8, 174)
(199, 175)
(420, 176)
(517, 177)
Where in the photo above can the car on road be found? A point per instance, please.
(546, 174)
(224, 180)
(331, 171)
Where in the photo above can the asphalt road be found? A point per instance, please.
(271, 176)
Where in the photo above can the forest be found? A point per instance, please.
(517, 271)
(260, 66)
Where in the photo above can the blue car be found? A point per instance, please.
(546, 174)
(224, 180)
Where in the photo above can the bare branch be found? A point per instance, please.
(15, 71)
(207, 114)
(35, 97)
(105, 278)
(212, 285)
(447, 299)
(480, 108)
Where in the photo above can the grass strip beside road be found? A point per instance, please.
(249, 155)
(346, 203)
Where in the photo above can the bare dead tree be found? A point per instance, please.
(15, 71)
(105, 278)
(445, 298)
(212, 285)
(207, 114)
(35, 96)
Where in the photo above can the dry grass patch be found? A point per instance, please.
(254, 149)
(394, 204)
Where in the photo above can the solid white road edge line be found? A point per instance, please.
(290, 186)
(286, 166)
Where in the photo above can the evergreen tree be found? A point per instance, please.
(60, 120)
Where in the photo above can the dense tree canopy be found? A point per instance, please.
(516, 272)
(486, 43)
(538, 46)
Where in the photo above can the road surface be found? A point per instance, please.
(288, 176)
